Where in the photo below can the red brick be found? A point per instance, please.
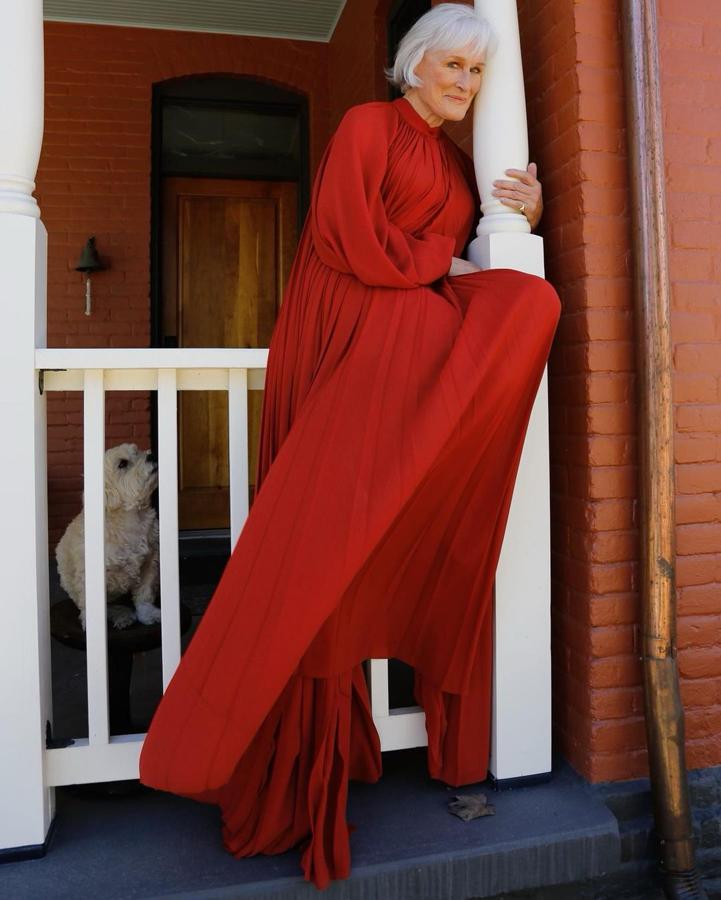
(600, 21)
(609, 291)
(614, 609)
(695, 207)
(704, 721)
(626, 734)
(596, 136)
(703, 752)
(690, 265)
(690, 388)
(611, 356)
(681, 34)
(698, 569)
(700, 599)
(612, 482)
(618, 671)
(698, 508)
(610, 578)
(610, 418)
(603, 387)
(703, 235)
(616, 703)
(699, 631)
(614, 640)
(611, 450)
(694, 178)
(694, 295)
(690, 448)
(686, 327)
(598, 107)
(699, 418)
(614, 546)
(609, 514)
(698, 478)
(617, 766)
(701, 692)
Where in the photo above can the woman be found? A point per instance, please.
(400, 380)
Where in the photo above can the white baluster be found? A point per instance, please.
(96, 625)
(25, 696)
(238, 450)
(398, 728)
(168, 503)
(377, 673)
(521, 732)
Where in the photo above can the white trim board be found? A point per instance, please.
(289, 19)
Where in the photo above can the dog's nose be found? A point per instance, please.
(150, 457)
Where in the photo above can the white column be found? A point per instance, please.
(521, 731)
(27, 805)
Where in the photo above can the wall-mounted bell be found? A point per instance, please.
(88, 263)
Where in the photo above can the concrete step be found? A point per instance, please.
(406, 845)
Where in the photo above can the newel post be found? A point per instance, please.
(521, 732)
(27, 805)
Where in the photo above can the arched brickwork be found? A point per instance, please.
(94, 179)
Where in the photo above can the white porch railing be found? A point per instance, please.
(100, 756)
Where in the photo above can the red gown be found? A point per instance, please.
(395, 408)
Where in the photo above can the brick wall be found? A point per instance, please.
(573, 63)
(357, 56)
(690, 53)
(94, 179)
(600, 566)
(584, 378)
(573, 60)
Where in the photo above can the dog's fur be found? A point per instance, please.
(131, 540)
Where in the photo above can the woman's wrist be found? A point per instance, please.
(461, 267)
(524, 193)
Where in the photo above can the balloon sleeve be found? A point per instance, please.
(351, 229)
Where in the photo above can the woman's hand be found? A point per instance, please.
(524, 194)
(461, 267)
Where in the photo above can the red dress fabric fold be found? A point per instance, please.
(395, 408)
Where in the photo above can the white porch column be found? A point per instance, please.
(521, 732)
(27, 805)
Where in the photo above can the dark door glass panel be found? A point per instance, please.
(219, 139)
(403, 14)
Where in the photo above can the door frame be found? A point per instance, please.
(239, 92)
(400, 16)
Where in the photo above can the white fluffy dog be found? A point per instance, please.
(131, 540)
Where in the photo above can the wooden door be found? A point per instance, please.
(226, 252)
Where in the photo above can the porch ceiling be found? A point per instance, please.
(314, 21)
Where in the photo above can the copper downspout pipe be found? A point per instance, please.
(664, 712)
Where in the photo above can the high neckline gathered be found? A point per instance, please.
(409, 113)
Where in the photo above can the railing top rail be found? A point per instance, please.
(151, 358)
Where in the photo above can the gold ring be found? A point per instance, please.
(523, 206)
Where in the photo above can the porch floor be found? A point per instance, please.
(406, 845)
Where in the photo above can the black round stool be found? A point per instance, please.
(123, 644)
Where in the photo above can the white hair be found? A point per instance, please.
(448, 26)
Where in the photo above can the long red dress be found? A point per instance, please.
(395, 408)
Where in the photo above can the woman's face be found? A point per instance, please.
(451, 79)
